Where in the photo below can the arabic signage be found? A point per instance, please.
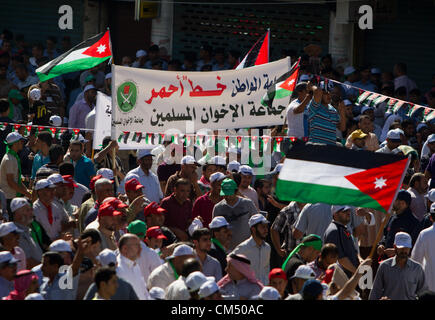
(161, 101)
(103, 117)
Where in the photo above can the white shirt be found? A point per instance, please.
(148, 261)
(59, 214)
(150, 182)
(161, 277)
(130, 271)
(424, 253)
(251, 194)
(295, 121)
(404, 81)
(79, 192)
(177, 290)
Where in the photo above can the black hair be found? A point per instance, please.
(402, 67)
(329, 249)
(43, 172)
(93, 234)
(237, 177)
(415, 178)
(123, 240)
(53, 258)
(76, 143)
(190, 265)
(198, 233)
(66, 168)
(106, 141)
(415, 92)
(104, 274)
(46, 137)
(52, 39)
(21, 66)
(182, 181)
(258, 184)
(153, 48)
(401, 91)
(55, 152)
(4, 105)
(406, 123)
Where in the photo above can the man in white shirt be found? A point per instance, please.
(128, 268)
(178, 289)
(245, 188)
(401, 79)
(295, 110)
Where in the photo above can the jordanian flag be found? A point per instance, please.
(85, 55)
(258, 54)
(283, 87)
(337, 175)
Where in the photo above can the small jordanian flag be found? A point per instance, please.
(283, 87)
(85, 55)
(258, 54)
(337, 175)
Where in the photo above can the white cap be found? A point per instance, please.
(106, 257)
(140, 53)
(208, 288)
(14, 137)
(430, 195)
(8, 227)
(106, 173)
(420, 126)
(431, 138)
(196, 224)
(277, 169)
(432, 208)
(256, 219)
(35, 94)
(55, 178)
(44, 183)
(233, 165)
(188, 160)
(393, 134)
(181, 250)
(304, 272)
(403, 240)
(195, 280)
(338, 207)
(89, 87)
(60, 246)
(143, 152)
(34, 296)
(108, 76)
(6, 256)
(217, 176)
(218, 222)
(157, 293)
(304, 77)
(18, 203)
(233, 149)
(217, 160)
(347, 102)
(268, 293)
(365, 108)
(349, 70)
(375, 71)
(246, 170)
(55, 121)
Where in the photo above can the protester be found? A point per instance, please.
(8, 270)
(297, 281)
(106, 282)
(278, 280)
(202, 244)
(188, 172)
(187, 283)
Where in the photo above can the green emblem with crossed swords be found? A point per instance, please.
(126, 96)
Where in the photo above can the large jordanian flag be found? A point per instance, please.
(85, 55)
(337, 175)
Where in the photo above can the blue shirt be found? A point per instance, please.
(84, 170)
(6, 287)
(38, 162)
(54, 292)
(323, 122)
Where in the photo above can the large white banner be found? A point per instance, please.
(103, 119)
(153, 101)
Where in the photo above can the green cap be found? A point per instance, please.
(138, 228)
(89, 78)
(15, 94)
(228, 187)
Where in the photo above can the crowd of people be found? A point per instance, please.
(141, 225)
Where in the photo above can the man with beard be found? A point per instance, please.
(418, 188)
(107, 225)
(399, 277)
(202, 242)
(256, 249)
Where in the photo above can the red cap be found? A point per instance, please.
(93, 180)
(115, 202)
(133, 185)
(153, 208)
(155, 232)
(69, 181)
(277, 273)
(106, 209)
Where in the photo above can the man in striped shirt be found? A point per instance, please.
(323, 118)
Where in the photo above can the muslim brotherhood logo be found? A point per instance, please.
(126, 96)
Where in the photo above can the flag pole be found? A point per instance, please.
(388, 215)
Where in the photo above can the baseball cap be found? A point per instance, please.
(404, 196)
(402, 240)
(358, 134)
(233, 165)
(349, 70)
(375, 71)
(108, 76)
(153, 208)
(218, 161)
(18, 203)
(228, 187)
(143, 152)
(133, 185)
(106, 173)
(157, 293)
(55, 121)
(115, 202)
(195, 280)
(60, 246)
(268, 293)
(189, 160)
(277, 273)
(208, 288)
(14, 137)
(347, 102)
(44, 183)
(140, 53)
(107, 210)
(256, 219)
(89, 87)
(365, 108)
(106, 257)
(90, 77)
(217, 176)
(432, 208)
(155, 232)
(138, 228)
(35, 94)
(69, 181)
(394, 135)
(218, 222)
(55, 178)
(312, 288)
(93, 180)
(8, 227)
(431, 138)
(196, 224)
(304, 272)
(337, 208)
(277, 169)
(181, 250)
(430, 195)
(246, 170)
(6, 256)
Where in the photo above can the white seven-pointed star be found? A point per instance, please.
(101, 48)
(380, 183)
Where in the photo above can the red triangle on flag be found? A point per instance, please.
(380, 183)
(101, 48)
(290, 83)
(263, 53)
